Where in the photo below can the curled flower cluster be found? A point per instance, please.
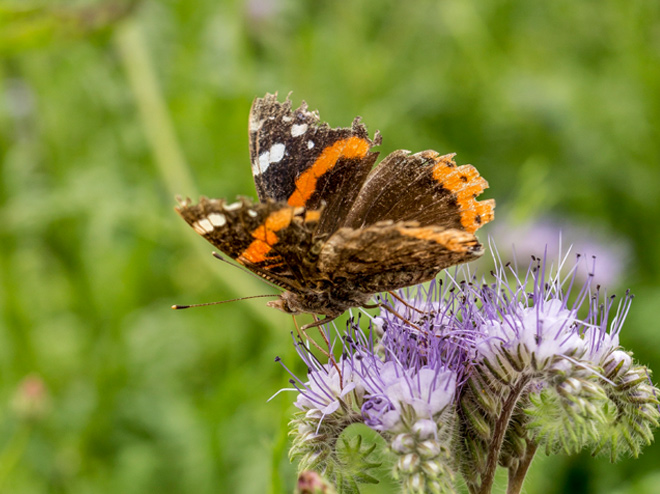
(466, 374)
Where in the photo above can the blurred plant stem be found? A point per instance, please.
(160, 133)
(12, 452)
(154, 115)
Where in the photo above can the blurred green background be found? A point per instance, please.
(110, 108)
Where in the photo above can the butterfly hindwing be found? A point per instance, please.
(389, 255)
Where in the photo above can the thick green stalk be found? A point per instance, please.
(154, 114)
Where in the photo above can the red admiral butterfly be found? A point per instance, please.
(329, 229)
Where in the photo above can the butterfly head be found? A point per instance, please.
(318, 302)
(283, 305)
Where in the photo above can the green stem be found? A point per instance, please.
(161, 136)
(498, 435)
(12, 453)
(517, 476)
(154, 114)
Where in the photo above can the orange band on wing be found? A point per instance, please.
(351, 147)
(466, 183)
(265, 237)
(454, 240)
(312, 216)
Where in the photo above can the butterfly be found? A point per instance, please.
(330, 228)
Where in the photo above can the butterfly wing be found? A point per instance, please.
(389, 255)
(269, 238)
(327, 223)
(425, 187)
(415, 215)
(297, 160)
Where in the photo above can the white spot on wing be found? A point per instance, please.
(233, 206)
(276, 153)
(203, 226)
(287, 119)
(310, 144)
(264, 162)
(298, 130)
(198, 228)
(252, 213)
(217, 219)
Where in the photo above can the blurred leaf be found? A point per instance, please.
(25, 27)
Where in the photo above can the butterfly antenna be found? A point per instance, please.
(177, 307)
(242, 268)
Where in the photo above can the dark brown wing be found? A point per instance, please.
(297, 160)
(269, 238)
(386, 255)
(424, 187)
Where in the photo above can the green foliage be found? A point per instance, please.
(557, 103)
(615, 417)
(33, 25)
(613, 409)
(333, 450)
(633, 414)
(355, 464)
(566, 421)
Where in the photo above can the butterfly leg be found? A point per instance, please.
(391, 310)
(394, 295)
(317, 324)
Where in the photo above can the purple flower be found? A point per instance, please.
(325, 388)
(543, 331)
(426, 392)
(540, 315)
(410, 374)
(511, 362)
(327, 385)
(413, 372)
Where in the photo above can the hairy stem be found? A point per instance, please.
(517, 476)
(498, 435)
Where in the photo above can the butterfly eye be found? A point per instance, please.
(316, 248)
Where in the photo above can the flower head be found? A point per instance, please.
(516, 360)
(327, 386)
(542, 315)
